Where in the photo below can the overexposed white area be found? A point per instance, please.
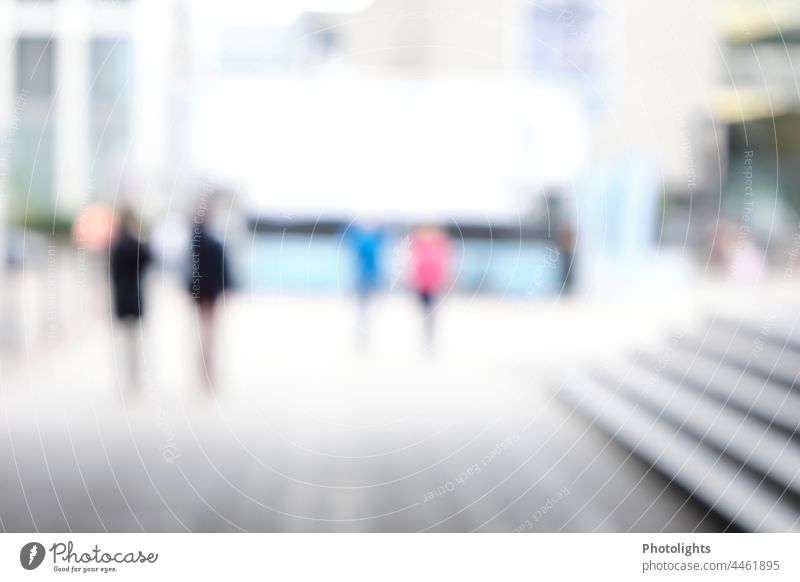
(441, 147)
(242, 12)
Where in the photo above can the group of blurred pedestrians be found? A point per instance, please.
(207, 276)
(427, 267)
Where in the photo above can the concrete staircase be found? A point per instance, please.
(717, 411)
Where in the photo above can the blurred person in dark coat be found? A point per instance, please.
(129, 259)
(209, 278)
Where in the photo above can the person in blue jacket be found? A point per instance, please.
(366, 242)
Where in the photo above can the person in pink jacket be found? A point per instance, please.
(429, 263)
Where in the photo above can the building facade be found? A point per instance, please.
(84, 101)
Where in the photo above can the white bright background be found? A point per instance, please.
(444, 147)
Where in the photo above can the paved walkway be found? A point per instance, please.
(307, 431)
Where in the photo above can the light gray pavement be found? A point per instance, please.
(305, 431)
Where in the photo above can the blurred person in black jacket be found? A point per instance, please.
(209, 278)
(129, 259)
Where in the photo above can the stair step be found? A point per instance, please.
(784, 333)
(773, 403)
(713, 478)
(747, 439)
(763, 360)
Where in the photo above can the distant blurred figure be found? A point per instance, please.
(209, 278)
(129, 259)
(366, 242)
(566, 248)
(734, 252)
(428, 270)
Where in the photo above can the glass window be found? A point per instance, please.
(35, 66)
(111, 87)
(32, 157)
